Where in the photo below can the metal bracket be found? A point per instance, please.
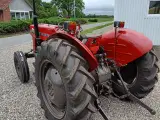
(129, 94)
(29, 54)
(99, 108)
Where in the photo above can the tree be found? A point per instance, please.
(44, 9)
(38, 2)
(54, 11)
(64, 13)
(68, 5)
(79, 14)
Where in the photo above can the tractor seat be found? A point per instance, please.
(84, 38)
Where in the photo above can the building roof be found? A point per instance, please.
(4, 4)
(30, 4)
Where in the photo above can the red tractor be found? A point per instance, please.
(72, 71)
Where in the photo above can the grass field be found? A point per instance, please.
(95, 28)
(99, 20)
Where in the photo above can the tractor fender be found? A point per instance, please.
(85, 52)
(129, 45)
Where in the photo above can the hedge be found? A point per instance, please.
(13, 27)
(93, 20)
(23, 25)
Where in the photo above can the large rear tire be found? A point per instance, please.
(140, 76)
(74, 96)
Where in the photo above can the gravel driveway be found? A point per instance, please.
(19, 102)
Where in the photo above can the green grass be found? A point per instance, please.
(99, 20)
(95, 28)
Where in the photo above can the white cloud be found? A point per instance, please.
(97, 6)
(98, 3)
(46, 0)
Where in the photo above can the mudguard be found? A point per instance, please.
(128, 46)
(48, 31)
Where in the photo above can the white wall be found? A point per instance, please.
(135, 14)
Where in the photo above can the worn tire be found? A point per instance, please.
(20, 61)
(146, 76)
(78, 82)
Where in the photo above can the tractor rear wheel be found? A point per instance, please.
(140, 75)
(65, 87)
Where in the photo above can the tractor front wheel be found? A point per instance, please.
(65, 87)
(21, 66)
(140, 76)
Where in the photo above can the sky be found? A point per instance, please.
(99, 7)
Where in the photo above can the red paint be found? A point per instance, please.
(128, 46)
(121, 24)
(93, 44)
(72, 26)
(43, 29)
(86, 53)
(53, 30)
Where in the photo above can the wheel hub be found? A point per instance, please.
(17, 66)
(53, 90)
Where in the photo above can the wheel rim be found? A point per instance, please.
(129, 74)
(52, 90)
(18, 68)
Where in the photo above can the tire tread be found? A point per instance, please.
(79, 68)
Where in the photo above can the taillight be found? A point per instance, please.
(72, 26)
(119, 24)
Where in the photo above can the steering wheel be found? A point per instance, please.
(61, 25)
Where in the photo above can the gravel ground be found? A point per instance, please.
(19, 102)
